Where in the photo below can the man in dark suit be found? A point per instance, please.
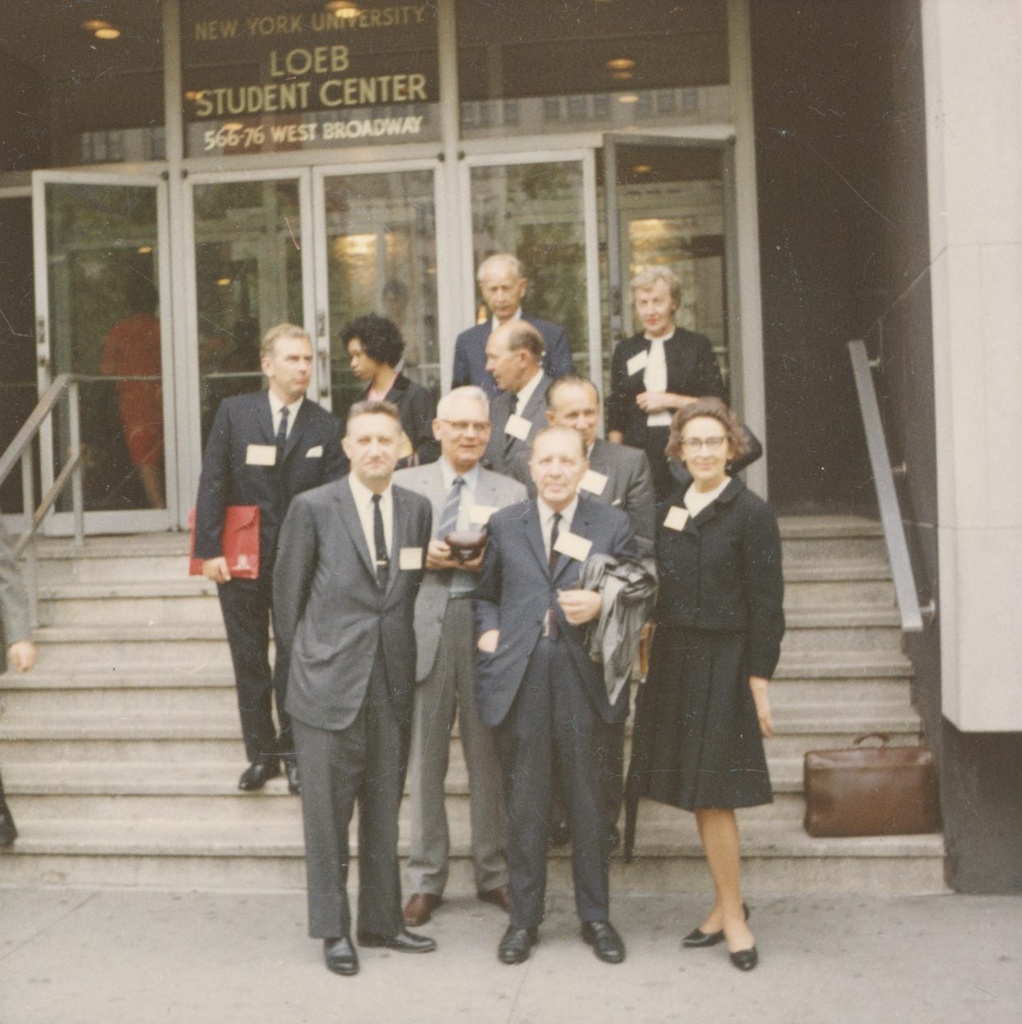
(264, 449)
(463, 496)
(350, 565)
(16, 647)
(514, 355)
(537, 686)
(502, 287)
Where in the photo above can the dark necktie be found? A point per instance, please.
(452, 506)
(509, 438)
(514, 403)
(282, 433)
(554, 531)
(382, 559)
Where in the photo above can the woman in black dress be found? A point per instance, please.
(704, 708)
(657, 371)
(375, 346)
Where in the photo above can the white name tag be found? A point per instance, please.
(574, 546)
(315, 453)
(410, 558)
(593, 482)
(519, 427)
(480, 514)
(676, 518)
(261, 455)
(637, 363)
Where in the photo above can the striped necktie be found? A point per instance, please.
(451, 509)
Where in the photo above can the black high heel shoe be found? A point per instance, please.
(698, 939)
(745, 959)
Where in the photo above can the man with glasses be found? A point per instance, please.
(463, 496)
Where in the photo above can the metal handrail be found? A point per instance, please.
(912, 614)
(21, 449)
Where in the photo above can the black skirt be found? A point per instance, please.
(697, 742)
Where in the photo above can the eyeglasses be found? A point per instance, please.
(693, 444)
(463, 426)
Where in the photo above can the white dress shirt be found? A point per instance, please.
(276, 405)
(654, 378)
(364, 504)
(546, 520)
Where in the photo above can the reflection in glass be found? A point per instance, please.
(248, 277)
(103, 324)
(535, 211)
(381, 258)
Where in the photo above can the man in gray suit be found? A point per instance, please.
(463, 496)
(16, 647)
(538, 688)
(514, 355)
(348, 569)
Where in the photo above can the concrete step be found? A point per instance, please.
(152, 603)
(831, 539)
(231, 855)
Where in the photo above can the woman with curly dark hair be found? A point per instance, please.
(375, 346)
(703, 710)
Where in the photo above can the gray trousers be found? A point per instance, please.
(450, 685)
(364, 762)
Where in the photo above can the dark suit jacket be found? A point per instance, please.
(312, 457)
(515, 590)
(629, 485)
(502, 449)
(329, 608)
(417, 409)
(470, 354)
(14, 622)
(691, 370)
(723, 572)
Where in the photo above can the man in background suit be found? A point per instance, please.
(538, 688)
(16, 647)
(514, 355)
(264, 449)
(463, 496)
(349, 568)
(502, 287)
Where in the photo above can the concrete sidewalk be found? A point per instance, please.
(107, 956)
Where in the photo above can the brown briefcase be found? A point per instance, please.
(870, 791)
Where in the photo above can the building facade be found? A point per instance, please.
(815, 172)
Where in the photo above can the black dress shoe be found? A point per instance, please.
(403, 942)
(698, 939)
(340, 956)
(294, 784)
(515, 945)
(603, 937)
(745, 959)
(8, 833)
(257, 774)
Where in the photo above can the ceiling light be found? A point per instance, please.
(621, 64)
(223, 282)
(343, 8)
(144, 250)
(642, 168)
(107, 33)
(101, 29)
(621, 76)
(628, 97)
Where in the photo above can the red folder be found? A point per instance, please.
(240, 542)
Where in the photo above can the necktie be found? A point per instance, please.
(554, 531)
(282, 433)
(514, 403)
(451, 509)
(382, 559)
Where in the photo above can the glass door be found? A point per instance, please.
(376, 252)
(101, 270)
(251, 269)
(669, 201)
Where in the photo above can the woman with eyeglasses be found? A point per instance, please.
(657, 371)
(704, 710)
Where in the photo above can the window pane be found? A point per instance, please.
(260, 76)
(535, 211)
(68, 97)
(583, 65)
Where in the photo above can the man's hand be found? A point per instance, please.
(215, 569)
(661, 401)
(488, 641)
(759, 694)
(22, 655)
(579, 605)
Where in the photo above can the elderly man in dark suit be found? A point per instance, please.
(264, 449)
(502, 286)
(537, 686)
(16, 647)
(463, 496)
(514, 355)
(349, 568)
